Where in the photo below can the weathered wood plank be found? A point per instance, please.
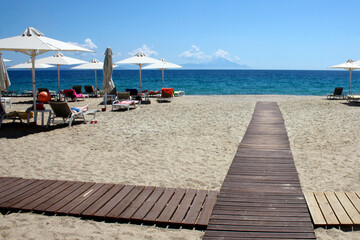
(314, 208)
(326, 209)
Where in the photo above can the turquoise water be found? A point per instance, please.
(200, 82)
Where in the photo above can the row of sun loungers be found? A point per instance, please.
(339, 94)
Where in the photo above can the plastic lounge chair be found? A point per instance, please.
(167, 95)
(134, 94)
(15, 115)
(353, 98)
(63, 110)
(337, 94)
(77, 89)
(123, 101)
(90, 91)
(70, 93)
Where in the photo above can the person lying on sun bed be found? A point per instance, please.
(80, 109)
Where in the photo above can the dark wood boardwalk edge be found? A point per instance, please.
(173, 207)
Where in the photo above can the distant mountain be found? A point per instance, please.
(218, 63)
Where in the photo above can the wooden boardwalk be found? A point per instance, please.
(261, 197)
(334, 209)
(126, 203)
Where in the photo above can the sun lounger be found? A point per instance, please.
(337, 94)
(15, 115)
(90, 91)
(353, 98)
(70, 93)
(77, 89)
(167, 95)
(123, 100)
(179, 93)
(63, 110)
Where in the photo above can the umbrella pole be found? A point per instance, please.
(95, 80)
(140, 79)
(163, 76)
(350, 82)
(58, 78)
(33, 54)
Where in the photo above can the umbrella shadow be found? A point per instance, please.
(352, 104)
(19, 130)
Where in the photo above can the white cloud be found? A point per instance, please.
(87, 44)
(222, 54)
(194, 53)
(145, 49)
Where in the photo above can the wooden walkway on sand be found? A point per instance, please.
(261, 197)
(334, 209)
(127, 203)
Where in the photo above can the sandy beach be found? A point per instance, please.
(188, 143)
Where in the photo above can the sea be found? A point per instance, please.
(199, 82)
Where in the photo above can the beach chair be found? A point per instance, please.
(63, 110)
(70, 93)
(123, 100)
(15, 115)
(353, 98)
(134, 94)
(77, 89)
(167, 95)
(337, 94)
(90, 91)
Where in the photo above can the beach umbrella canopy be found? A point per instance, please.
(350, 65)
(139, 59)
(94, 64)
(29, 65)
(162, 65)
(6, 60)
(32, 42)
(4, 77)
(59, 59)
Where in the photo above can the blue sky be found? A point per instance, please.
(263, 34)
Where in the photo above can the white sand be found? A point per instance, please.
(188, 143)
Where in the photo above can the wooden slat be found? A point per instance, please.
(261, 197)
(169, 206)
(326, 209)
(338, 209)
(348, 206)
(355, 199)
(314, 208)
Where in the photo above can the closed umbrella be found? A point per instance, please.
(93, 64)
(139, 59)
(350, 65)
(32, 42)
(4, 77)
(108, 83)
(162, 65)
(59, 59)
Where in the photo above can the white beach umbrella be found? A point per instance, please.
(4, 77)
(93, 64)
(139, 59)
(108, 83)
(29, 65)
(350, 65)
(32, 42)
(59, 59)
(162, 65)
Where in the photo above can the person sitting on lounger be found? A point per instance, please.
(80, 109)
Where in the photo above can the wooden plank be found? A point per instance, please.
(51, 201)
(92, 198)
(325, 207)
(148, 204)
(15, 187)
(207, 208)
(171, 206)
(68, 198)
(160, 205)
(103, 211)
(338, 209)
(353, 213)
(90, 211)
(35, 199)
(115, 212)
(10, 183)
(184, 206)
(355, 199)
(135, 205)
(195, 208)
(314, 208)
